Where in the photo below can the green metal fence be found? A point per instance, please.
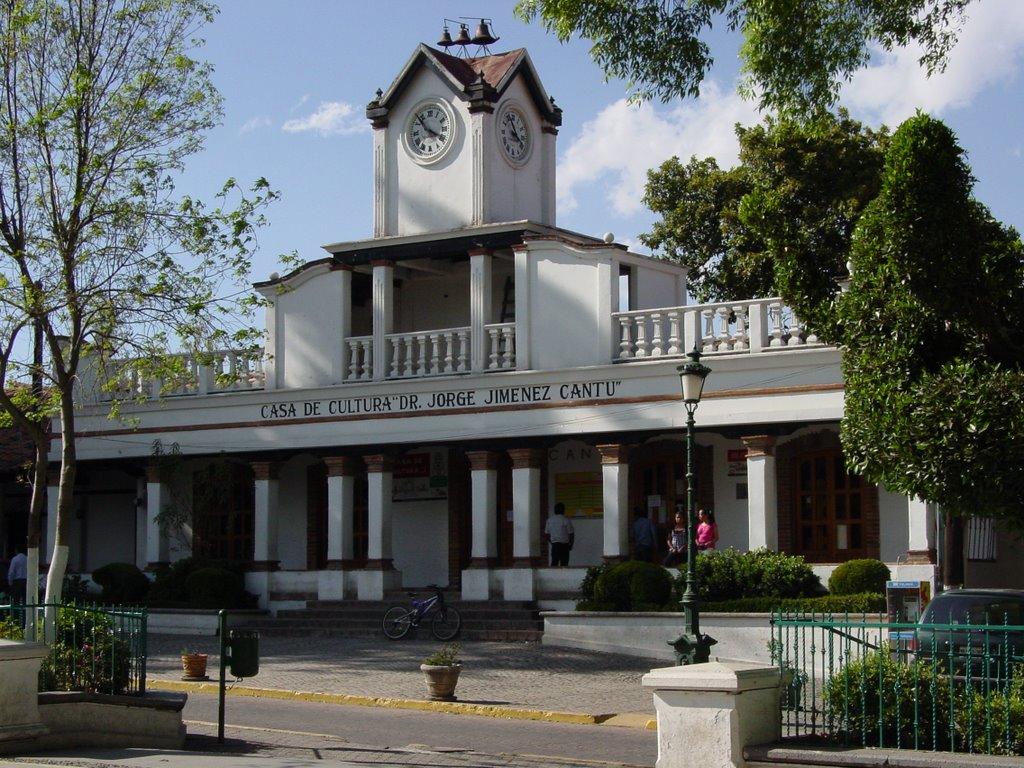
(859, 681)
(101, 649)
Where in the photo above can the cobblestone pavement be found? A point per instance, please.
(503, 676)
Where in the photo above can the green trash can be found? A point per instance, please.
(244, 647)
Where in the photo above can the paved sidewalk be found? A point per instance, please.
(499, 679)
(511, 680)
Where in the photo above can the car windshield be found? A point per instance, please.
(973, 609)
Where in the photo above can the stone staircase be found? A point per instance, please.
(481, 620)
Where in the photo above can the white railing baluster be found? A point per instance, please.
(657, 343)
(463, 358)
(625, 337)
(673, 332)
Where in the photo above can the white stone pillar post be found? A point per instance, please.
(380, 574)
(762, 493)
(615, 492)
(707, 713)
(266, 512)
(383, 315)
(520, 583)
(158, 546)
(484, 535)
(479, 308)
(334, 584)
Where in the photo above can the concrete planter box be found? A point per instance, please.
(191, 621)
(648, 635)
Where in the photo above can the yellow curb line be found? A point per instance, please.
(452, 707)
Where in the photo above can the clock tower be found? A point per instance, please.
(462, 142)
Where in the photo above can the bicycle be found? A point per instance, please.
(445, 621)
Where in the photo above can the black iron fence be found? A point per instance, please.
(100, 649)
(859, 681)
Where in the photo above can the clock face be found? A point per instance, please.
(430, 131)
(515, 135)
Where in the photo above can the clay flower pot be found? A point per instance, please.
(441, 680)
(194, 665)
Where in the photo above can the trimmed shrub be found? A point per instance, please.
(633, 586)
(216, 588)
(587, 601)
(853, 576)
(865, 602)
(171, 588)
(728, 574)
(122, 583)
(879, 702)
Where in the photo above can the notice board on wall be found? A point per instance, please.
(581, 492)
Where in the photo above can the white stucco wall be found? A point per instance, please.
(420, 542)
(308, 346)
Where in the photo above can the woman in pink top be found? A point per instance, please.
(707, 530)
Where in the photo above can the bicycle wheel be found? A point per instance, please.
(397, 622)
(446, 624)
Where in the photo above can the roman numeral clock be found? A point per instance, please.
(462, 142)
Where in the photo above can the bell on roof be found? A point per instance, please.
(446, 38)
(463, 37)
(483, 34)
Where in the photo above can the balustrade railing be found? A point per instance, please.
(439, 352)
(760, 325)
(222, 370)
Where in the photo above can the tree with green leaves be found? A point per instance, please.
(795, 53)
(779, 222)
(101, 104)
(933, 353)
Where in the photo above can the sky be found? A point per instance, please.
(296, 76)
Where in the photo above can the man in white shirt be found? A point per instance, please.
(560, 533)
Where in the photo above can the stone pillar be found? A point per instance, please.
(19, 693)
(921, 520)
(158, 546)
(762, 493)
(520, 581)
(615, 489)
(484, 549)
(334, 585)
(480, 299)
(707, 713)
(380, 574)
(266, 513)
(383, 315)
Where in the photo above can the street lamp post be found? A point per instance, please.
(692, 647)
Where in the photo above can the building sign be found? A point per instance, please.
(447, 400)
(737, 458)
(421, 475)
(581, 492)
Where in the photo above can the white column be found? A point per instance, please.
(615, 491)
(762, 493)
(484, 533)
(340, 500)
(380, 574)
(266, 512)
(922, 521)
(479, 307)
(158, 548)
(334, 583)
(383, 315)
(520, 582)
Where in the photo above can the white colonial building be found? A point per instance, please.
(426, 397)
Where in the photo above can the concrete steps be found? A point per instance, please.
(481, 620)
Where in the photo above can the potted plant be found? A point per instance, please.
(441, 670)
(193, 664)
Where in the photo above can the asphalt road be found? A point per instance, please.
(384, 727)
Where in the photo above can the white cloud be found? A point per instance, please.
(254, 124)
(616, 148)
(989, 51)
(331, 118)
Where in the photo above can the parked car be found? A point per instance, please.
(973, 633)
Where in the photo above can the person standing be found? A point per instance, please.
(678, 542)
(17, 575)
(707, 530)
(643, 536)
(559, 531)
